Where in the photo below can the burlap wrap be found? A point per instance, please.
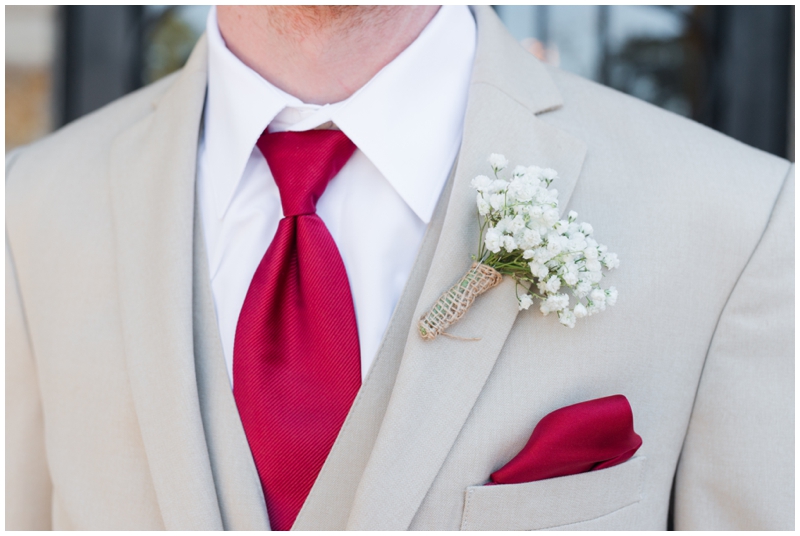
(452, 305)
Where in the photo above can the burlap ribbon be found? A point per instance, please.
(453, 304)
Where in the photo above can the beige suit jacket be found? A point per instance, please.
(118, 410)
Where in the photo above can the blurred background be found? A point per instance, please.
(729, 67)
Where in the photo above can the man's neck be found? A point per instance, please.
(320, 54)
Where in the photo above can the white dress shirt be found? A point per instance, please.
(406, 122)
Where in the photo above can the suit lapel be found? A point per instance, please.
(152, 175)
(439, 381)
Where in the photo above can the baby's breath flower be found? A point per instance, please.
(482, 183)
(499, 185)
(577, 243)
(550, 216)
(498, 162)
(483, 206)
(497, 201)
(583, 288)
(567, 317)
(493, 240)
(553, 284)
(557, 302)
(538, 270)
(597, 295)
(593, 265)
(525, 301)
(596, 307)
(520, 171)
(517, 224)
(530, 238)
(554, 245)
(542, 255)
(504, 225)
(610, 260)
(593, 277)
(549, 174)
(522, 236)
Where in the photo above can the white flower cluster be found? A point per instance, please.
(522, 236)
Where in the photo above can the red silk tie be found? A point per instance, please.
(297, 361)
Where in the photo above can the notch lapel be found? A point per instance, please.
(439, 381)
(152, 175)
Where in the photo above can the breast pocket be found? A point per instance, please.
(554, 502)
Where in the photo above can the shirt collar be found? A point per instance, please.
(408, 119)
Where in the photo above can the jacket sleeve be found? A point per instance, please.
(736, 470)
(28, 487)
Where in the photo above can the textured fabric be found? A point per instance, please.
(379, 204)
(297, 365)
(238, 486)
(104, 427)
(737, 472)
(572, 502)
(583, 437)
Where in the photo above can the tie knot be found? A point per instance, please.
(303, 163)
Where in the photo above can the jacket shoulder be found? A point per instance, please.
(81, 142)
(597, 111)
(652, 166)
(62, 178)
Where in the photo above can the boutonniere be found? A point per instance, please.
(522, 237)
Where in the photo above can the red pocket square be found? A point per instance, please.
(576, 439)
